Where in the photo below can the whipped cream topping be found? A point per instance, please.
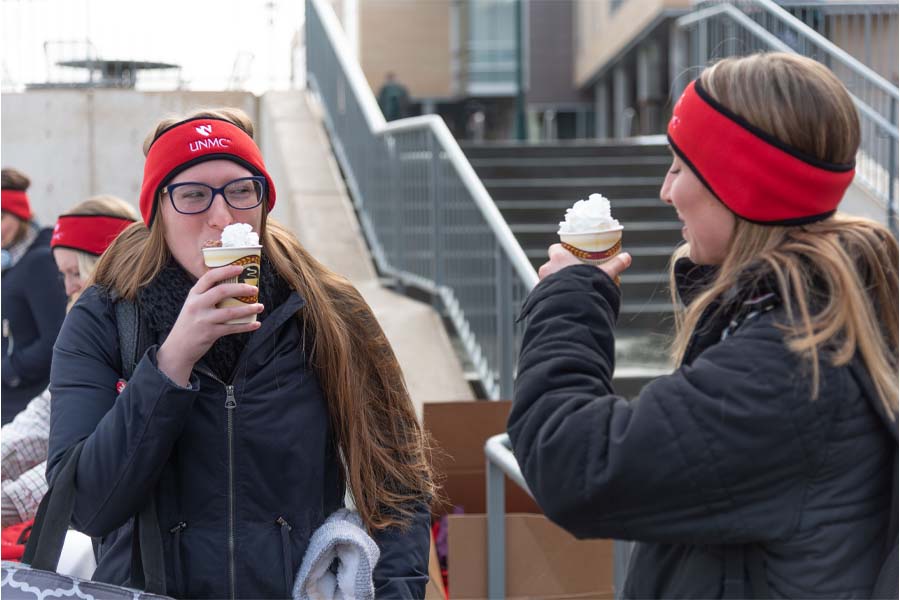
(238, 235)
(589, 216)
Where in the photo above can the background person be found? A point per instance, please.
(393, 98)
(79, 238)
(33, 300)
(762, 466)
(245, 436)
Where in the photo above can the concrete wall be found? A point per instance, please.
(74, 144)
(602, 32)
(410, 38)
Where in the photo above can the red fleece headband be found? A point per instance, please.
(191, 142)
(89, 233)
(758, 177)
(16, 202)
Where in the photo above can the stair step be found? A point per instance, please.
(559, 150)
(653, 316)
(571, 182)
(628, 187)
(570, 169)
(568, 161)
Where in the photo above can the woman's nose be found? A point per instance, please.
(665, 192)
(219, 214)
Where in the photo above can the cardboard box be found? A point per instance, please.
(542, 560)
(460, 430)
(435, 588)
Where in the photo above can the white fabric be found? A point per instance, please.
(343, 537)
(77, 558)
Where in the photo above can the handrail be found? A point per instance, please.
(776, 44)
(727, 23)
(374, 117)
(500, 463)
(379, 127)
(825, 44)
(428, 218)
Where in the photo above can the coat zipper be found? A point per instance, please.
(7, 333)
(286, 554)
(230, 405)
(176, 554)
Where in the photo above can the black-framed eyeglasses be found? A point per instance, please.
(191, 197)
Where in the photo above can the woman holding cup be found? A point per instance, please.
(246, 432)
(762, 467)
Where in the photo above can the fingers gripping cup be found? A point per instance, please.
(239, 246)
(589, 231)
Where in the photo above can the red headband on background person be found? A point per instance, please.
(758, 177)
(89, 233)
(191, 142)
(16, 202)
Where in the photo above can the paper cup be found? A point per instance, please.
(249, 258)
(593, 248)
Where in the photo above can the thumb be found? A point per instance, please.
(617, 265)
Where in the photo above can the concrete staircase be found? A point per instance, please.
(534, 184)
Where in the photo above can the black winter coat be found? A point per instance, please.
(728, 450)
(242, 474)
(34, 306)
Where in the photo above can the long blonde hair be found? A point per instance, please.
(384, 450)
(838, 276)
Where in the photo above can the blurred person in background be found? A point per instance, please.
(763, 466)
(80, 236)
(243, 438)
(33, 298)
(393, 98)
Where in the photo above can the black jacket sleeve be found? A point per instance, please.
(710, 454)
(402, 569)
(129, 435)
(46, 301)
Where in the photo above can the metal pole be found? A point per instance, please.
(496, 530)
(505, 324)
(892, 173)
(436, 221)
(621, 556)
(520, 74)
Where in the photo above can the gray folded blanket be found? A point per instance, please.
(343, 537)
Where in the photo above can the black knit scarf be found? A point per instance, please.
(162, 299)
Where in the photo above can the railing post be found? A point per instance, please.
(702, 43)
(496, 530)
(434, 173)
(621, 556)
(892, 174)
(398, 212)
(505, 324)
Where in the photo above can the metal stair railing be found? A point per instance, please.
(427, 217)
(720, 28)
(501, 463)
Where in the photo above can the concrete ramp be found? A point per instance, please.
(314, 203)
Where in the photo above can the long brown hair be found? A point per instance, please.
(384, 451)
(838, 276)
